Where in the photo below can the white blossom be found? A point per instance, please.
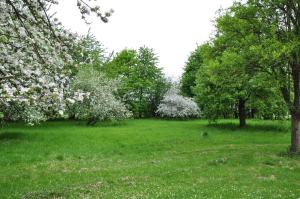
(174, 105)
(33, 73)
(99, 103)
(35, 60)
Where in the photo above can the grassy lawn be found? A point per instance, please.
(148, 159)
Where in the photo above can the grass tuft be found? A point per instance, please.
(59, 157)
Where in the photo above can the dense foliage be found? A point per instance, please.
(143, 83)
(225, 87)
(252, 60)
(188, 78)
(88, 51)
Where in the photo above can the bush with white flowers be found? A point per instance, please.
(100, 104)
(174, 105)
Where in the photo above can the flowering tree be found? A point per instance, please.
(33, 57)
(100, 104)
(174, 105)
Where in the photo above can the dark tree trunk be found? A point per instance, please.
(242, 112)
(140, 102)
(252, 113)
(295, 110)
(295, 133)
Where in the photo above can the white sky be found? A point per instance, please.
(172, 27)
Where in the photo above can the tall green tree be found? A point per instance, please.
(278, 48)
(281, 50)
(89, 50)
(143, 83)
(122, 64)
(224, 87)
(275, 25)
(188, 79)
(228, 81)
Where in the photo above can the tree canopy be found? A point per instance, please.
(143, 83)
(253, 56)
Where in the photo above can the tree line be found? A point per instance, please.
(250, 68)
(48, 72)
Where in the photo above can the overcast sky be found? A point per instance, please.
(173, 28)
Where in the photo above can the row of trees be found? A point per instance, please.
(95, 86)
(141, 85)
(253, 57)
(251, 66)
(47, 72)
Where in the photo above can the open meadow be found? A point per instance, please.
(148, 159)
(112, 99)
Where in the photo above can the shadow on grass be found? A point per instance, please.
(110, 123)
(44, 195)
(279, 128)
(82, 123)
(9, 136)
(289, 154)
(57, 124)
(68, 192)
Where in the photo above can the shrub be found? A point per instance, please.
(99, 104)
(174, 105)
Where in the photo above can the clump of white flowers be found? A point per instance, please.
(100, 103)
(174, 105)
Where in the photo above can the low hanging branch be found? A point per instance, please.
(35, 59)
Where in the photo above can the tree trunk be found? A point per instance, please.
(295, 133)
(295, 110)
(253, 111)
(242, 112)
(140, 102)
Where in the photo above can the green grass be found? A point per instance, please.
(148, 159)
